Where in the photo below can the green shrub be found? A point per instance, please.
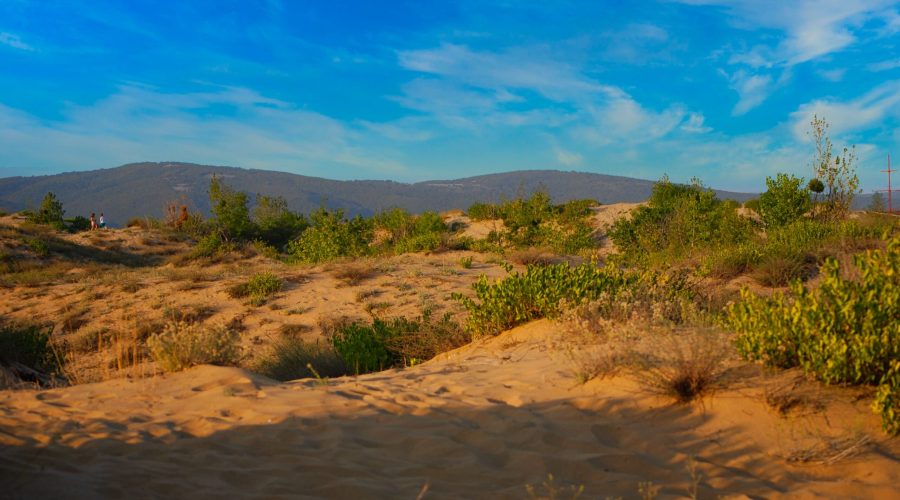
(536, 293)
(396, 342)
(483, 211)
(364, 348)
(78, 223)
(291, 358)
(779, 265)
(181, 345)
(887, 400)
(259, 288)
(39, 246)
(785, 200)
(844, 331)
(466, 262)
(331, 236)
(731, 261)
(30, 346)
(210, 245)
(678, 219)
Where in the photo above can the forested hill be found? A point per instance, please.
(141, 189)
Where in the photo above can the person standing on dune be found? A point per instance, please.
(93, 222)
(102, 221)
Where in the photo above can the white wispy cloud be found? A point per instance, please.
(141, 123)
(14, 41)
(516, 68)
(884, 65)
(752, 90)
(809, 30)
(865, 112)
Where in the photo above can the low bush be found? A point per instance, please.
(541, 290)
(387, 343)
(331, 236)
(844, 331)
(258, 288)
(365, 347)
(181, 345)
(291, 358)
(28, 345)
(677, 220)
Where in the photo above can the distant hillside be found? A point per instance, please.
(140, 189)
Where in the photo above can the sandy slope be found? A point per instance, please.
(480, 422)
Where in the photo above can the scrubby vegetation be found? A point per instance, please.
(536, 222)
(541, 290)
(388, 343)
(184, 344)
(843, 331)
(27, 350)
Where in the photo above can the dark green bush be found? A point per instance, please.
(275, 224)
(30, 346)
(50, 213)
(396, 342)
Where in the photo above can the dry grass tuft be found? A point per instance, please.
(533, 256)
(683, 365)
(830, 450)
(354, 274)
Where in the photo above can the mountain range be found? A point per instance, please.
(143, 189)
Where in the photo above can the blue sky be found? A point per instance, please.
(718, 89)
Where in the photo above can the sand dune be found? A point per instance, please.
(479, 422)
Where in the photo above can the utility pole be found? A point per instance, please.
(889, 190)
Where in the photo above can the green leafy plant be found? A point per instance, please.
(387, 343)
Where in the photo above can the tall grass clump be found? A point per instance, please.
(291, 358)
(182, 345)
(843, 332)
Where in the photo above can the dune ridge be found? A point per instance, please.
(479, 422)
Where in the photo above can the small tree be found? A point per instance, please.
(836, 172)
(784, 201)
(50, 213)
(877, 203)
(229, 208)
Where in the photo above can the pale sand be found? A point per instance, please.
(479, 422)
